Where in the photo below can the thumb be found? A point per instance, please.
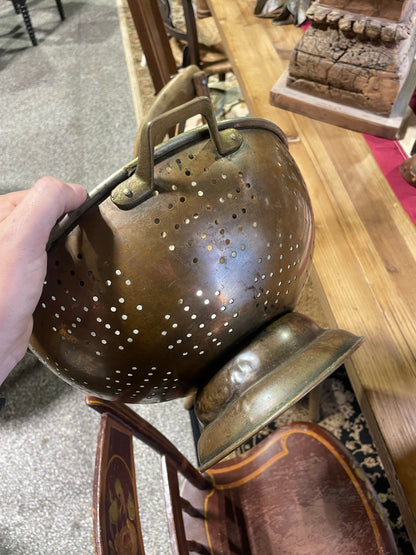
(34, 217)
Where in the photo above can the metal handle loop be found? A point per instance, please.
(140, 186)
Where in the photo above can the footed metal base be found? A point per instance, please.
(275, 370)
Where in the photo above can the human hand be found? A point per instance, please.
(26, 220)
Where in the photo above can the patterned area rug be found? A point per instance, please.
(339, 410)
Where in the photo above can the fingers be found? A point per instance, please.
(39, 209)
(49, 199)
(9, 201)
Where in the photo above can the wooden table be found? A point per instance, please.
(365, 255)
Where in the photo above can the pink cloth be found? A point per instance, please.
(389, 155)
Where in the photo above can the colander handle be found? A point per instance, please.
(140, 186)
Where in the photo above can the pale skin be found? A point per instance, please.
(26, 220)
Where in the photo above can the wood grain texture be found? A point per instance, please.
(284, 96)
(365, 255)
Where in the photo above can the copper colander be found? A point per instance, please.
(176, 260)
(181, 273)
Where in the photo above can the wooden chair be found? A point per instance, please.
(297, 492)
(186, 85)
(154, 28)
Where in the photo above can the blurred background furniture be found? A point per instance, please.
(20, 6)
(167, 46)
(298, 491)
(194, 40)
(353, 66)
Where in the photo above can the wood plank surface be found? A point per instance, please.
(365, 254)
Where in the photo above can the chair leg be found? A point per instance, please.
(315, 403)
(16, 6)
(26, 18)
(60, 9)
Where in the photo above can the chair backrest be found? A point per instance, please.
(115, 508)
(187, 35)
(298, 491)
(186, 85)
(152, 34)
(154, 26)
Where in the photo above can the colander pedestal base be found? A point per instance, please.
(275, 370)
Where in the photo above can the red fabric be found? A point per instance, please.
(389, 155)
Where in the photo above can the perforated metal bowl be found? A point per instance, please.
(165, 274)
